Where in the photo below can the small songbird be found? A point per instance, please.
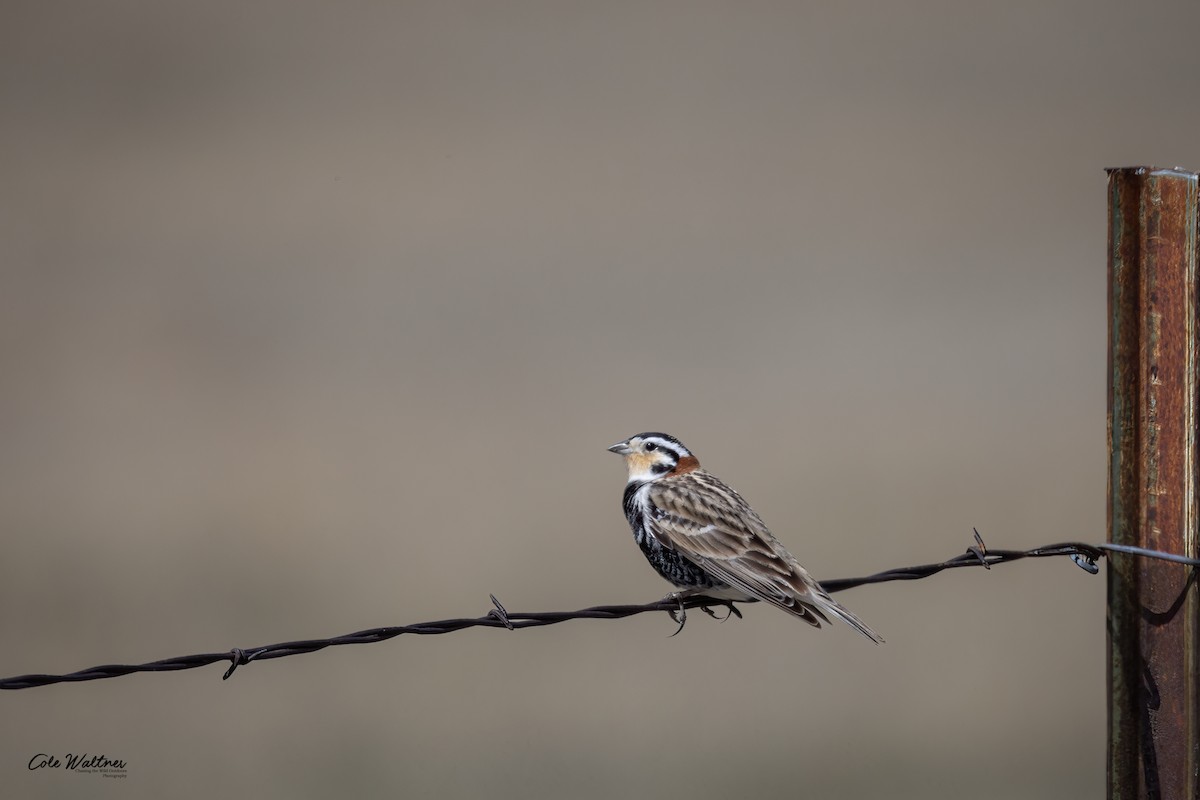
(704, 538)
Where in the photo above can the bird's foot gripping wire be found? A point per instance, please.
(730, 610)
(679, 612)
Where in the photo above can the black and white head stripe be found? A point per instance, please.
(652, 455)
(652, 441)
(667, 451)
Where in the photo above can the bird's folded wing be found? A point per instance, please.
(731, 544)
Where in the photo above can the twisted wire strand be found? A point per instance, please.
(1084, 555)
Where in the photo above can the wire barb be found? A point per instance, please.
(980, 549)
(675, 605)
(237, 657)
(500, 613)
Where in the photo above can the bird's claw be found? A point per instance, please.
(730, 610)
(679, 614)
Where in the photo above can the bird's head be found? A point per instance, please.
(649, 456)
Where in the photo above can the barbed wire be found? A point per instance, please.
(1084, 555)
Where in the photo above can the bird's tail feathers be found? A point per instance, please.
(833, 608)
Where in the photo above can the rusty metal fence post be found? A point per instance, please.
(1153, 611)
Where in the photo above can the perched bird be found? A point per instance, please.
(703, 537)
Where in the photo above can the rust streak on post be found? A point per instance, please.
(1153, 746)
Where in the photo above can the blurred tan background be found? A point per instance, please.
(319, 317)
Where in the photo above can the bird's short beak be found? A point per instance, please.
(620, 448)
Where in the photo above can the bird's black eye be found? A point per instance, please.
(651, 447)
